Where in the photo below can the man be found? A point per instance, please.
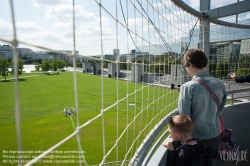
(240, 79)
(197, 103)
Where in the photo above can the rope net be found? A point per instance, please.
(118, 99)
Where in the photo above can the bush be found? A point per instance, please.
(242, 71)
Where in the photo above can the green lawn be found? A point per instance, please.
(43, 98)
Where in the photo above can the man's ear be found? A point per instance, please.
(178, 135)
(190, 65)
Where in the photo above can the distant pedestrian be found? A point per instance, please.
(241, 79)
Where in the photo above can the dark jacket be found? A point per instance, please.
(243, 79)
(187, 155)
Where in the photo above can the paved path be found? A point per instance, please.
(19, 77)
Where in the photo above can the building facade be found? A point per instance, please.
(7, 52)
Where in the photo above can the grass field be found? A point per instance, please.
(43, 98)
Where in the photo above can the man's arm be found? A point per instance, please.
(240, 79)
(243, 79)
(184, 101)
(222, 105)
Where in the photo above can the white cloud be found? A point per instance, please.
(28, 27)
(247, 16)
(87, 29)
(216, 3)
(45, 3)
(194, 4)
(165, 3)
(5, 30)
(42, 37)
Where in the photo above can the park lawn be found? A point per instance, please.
(33, 73)
(43, 98)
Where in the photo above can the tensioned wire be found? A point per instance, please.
(14, 42)
(134, 133)
(127, 135)
(164, 60)
(79, 127)
(147, 70)
(117, 87)
(121, 135)
(76, 90)
(142, 78)
(102, 87)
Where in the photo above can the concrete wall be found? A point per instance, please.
(137, 73)
(97, 69)
(86, 67)
(179, 75)
(112, 70)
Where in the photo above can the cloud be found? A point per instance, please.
(63, 17)
(164, 4)
(216, 4)
(247, 16)
(42, 37)
(87, 29)
(46, 3)
(28, 27)
(194, 4)
(34, 33)
(5, 30)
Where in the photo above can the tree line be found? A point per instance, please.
(45, 66)
(5, 65)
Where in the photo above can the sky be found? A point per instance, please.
(48, 23)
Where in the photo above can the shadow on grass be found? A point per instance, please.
(2, 81)
(13, 80)
(52, 74)
(21, 79)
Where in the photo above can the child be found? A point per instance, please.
(183, 151)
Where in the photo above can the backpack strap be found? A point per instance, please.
(213, 95)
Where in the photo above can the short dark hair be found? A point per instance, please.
(182, 124)
(195, 57)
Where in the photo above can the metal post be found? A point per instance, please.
(236, 21)
(205, 30)
(232, 99)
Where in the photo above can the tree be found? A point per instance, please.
(79, 64)
(222, 69)
(212, 68)
(45, 66)
(38, 67)
(61, 64)
(123, 65)
(244, 62)
(54, 65)
(4, 64)
(242, 71)
(168, 65)
(20, 66)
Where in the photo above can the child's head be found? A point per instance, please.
(180, 127)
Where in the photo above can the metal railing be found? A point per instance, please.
(233, 91)
(114, 163)
(146, 150)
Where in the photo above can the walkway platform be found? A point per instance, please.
(235, 117)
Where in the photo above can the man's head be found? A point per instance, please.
(194, 61)
(195, 57)
(180, 127)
